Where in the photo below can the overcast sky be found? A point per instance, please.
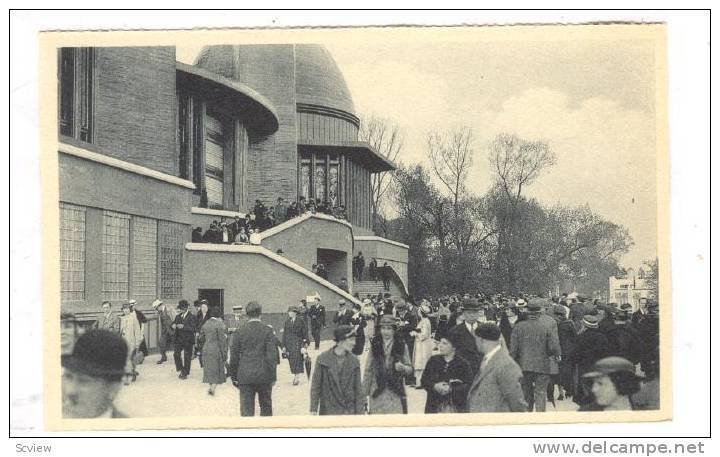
(592, 101)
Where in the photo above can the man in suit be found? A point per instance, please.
(166, 331)
(343, 315)
(92, 378)
(184, 327)
(464, 334)
(108, 321)
(253, 362)
(316, 313)
(496, 388)
(533, 343)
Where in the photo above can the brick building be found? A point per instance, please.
(150, 147)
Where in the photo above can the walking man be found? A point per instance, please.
(532, 343)
(109, 321)
(316, 312)
(184, 327)
(253, 362)
(464, 334)
(166, 331)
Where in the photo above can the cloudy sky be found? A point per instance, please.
(592, 101)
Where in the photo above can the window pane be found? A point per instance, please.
(305, 179)
(333, 184)
(67, 90)
(116, 252)
(144, 262)
(72, 253)
(85, 87)
(214, 161)
(320, 182)
(171, 238)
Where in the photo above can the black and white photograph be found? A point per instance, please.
(335, 227)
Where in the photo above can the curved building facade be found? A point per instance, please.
(150, 148)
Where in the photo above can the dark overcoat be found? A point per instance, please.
(254, 356)
(438, 370)
(294, 338)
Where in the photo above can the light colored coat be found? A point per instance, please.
(496, 388)
(423, 346)
(130, 330)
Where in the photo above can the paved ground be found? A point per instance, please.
(159, 393)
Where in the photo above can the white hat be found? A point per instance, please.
(157, 303)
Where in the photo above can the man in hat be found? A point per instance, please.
(184, 327)
(343, 315)
(407, 324)
(648, 330)
(464, 334)
(533, 343)
(591, 345)
(496, 387)
(108, 321)
(343, 284)
(166, 330)
(316, 313)
(623, 340)
(253, 362)
(142, 320)
(92, 375)
(336, 388)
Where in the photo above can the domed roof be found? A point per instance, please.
(318, 80)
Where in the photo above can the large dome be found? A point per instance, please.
(318, 80)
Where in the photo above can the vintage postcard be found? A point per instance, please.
(355, 227)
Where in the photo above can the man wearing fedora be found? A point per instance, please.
(92, 375)
(464, 334)
(535, 346)
(591, 345)
(166, 331)
(184, 328)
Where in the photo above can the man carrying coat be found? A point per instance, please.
(166, 331)
(253, 362)
(496, 388)
(184, 327)
(336, 388)
(533, 343)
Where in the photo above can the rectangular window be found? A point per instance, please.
(214, 161)
(72, 253)
(144, 259)
(305, 178)
(320, 180)
(116, 255)
(183, 135)
(67, 90)
(333, 181)
(76, 107)
(171, 237)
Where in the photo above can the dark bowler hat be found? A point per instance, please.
(98, 353)
(488, 331)
(470, 304)
(590, 321)
(343, 332)
(609, 365)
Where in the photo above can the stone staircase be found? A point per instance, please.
(368, 286)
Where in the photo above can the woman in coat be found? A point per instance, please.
(446, 378)
(132, 334)
(294, 342)
(336, 386)
(214, 349)
(423, 343)
(386, 366)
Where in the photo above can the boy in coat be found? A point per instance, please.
(336, 388)
(496, 387)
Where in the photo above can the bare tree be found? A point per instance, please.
(387, 140)
(451, 157)
(516, 164)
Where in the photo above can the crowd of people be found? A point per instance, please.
(261, 218)
(469, 353)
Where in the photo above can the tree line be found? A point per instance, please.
(497, 242)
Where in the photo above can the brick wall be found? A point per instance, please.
(135, 106)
